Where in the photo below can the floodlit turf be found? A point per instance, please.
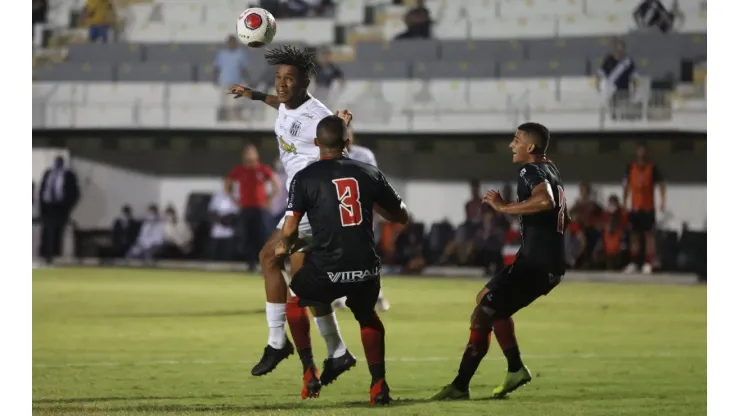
(127, 342)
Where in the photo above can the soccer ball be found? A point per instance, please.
(256, 27)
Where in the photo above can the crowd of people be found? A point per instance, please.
(238, 219)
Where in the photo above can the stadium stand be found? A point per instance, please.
(536, 55)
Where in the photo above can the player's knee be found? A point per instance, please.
(267, 257)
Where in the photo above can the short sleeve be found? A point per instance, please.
(602, 67)
(388, 198)
(267, 172)
(531, 176)
(657, 175)
(297, 203)
(234, 173)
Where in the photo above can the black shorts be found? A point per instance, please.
(515, 287)
(642, 221)
(314, 288)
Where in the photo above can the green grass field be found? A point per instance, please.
(125, 342)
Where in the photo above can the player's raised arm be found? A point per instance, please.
(240, 91)
(389, 204)
(542, 198)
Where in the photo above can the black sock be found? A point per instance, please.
(474, 352)
(306, 355)
(377, 371)
(513, 359)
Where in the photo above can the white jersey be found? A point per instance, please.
(295, 130)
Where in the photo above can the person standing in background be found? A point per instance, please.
(59, 195)
(99, 16)
(640, 180)
(230, 67)
(223, 212)
(254, 200)
(616, 77)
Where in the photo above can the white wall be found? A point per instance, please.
(105, 189)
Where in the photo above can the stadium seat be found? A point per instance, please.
(131, 93)
(543, 68)
(73, 71)
(150, 33)
(99, 52)
(189, 13)
(378, 70)
(155, 72)
(600, 25)
(103, 116)
(519, 28)
(182, 52)
(519, 8)
(440, 94)
(455, 70)
(481, 50)
(400, 50)
(350, 12)
(205, 94)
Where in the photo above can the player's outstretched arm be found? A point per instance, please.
(542, 199)
(239, 91)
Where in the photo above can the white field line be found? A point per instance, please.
(665, 354)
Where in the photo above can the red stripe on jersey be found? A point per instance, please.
(293, 213)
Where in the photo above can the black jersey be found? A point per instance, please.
(543, 243)
(338, 196)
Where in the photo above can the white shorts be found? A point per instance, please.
(304, 229)
(305, 234)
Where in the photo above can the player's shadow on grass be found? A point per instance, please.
(68, 405)
(201, 314)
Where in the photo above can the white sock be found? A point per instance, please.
(276, 323)
(329, 329)
(380, 294)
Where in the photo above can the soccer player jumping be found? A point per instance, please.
(538, 268)
(295, 128)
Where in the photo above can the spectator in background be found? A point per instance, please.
(616, 76)
(254, 200)
(230, 67)
(99, 16)
(575, 242)
(590, 216)
(151, 237)
(409, 247)
(327, 74)
(491, 243)
(40, 9)
(178, 237)
(125, 231)
(474, 207)
(59, 195)
(223, 212)
(640, 180)
(418, 23)
(609, 249)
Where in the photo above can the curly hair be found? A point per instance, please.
(302, 59)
